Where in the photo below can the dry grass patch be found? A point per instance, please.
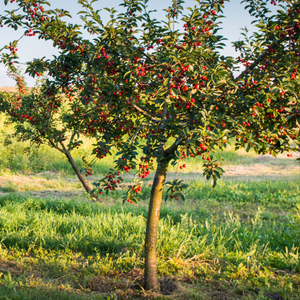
(8, 89)
(24, 183)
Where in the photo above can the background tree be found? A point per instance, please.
(45, 117)
(161, 87)
(52, 114)
(271, 87)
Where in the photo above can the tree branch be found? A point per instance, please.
(250, 67)
(71, 139)
(56, 147)
(174, 146)
(257, 61)
(145, 112)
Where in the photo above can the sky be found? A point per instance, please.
(236, 17)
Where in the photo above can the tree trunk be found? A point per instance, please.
(151, 281)
(77, 171)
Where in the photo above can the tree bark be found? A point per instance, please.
(151, 281)
(77, 171)
(67, 153)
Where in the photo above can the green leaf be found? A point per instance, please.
(186, 130)
(182, 196)
(217, 174)
(167, 197)
(214, 180)
(166, 82)
(248, 147)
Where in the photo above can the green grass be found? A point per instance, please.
(44, 159)
(234, 235)
(15, 156)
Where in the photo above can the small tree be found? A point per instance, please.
(51, 114)
(45, 117)
(169, 92)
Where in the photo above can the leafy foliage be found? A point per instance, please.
(212, 170)
(175, 189)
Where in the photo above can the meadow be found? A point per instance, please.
(239, 240)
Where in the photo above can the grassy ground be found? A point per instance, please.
(237, 241)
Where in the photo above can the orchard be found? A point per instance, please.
(160, 88)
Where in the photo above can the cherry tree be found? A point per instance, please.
(164, 89)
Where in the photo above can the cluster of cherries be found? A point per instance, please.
(100, 153)
(20, 84)
(88, 172)
(144, 168)
(137, 188)
(110, 182)
(127, 168)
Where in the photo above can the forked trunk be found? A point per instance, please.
(77, 171)
(151, 280)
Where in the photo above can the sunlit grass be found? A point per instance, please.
(242, 232)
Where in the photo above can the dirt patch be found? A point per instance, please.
(269, 295)
(128, 286)
(261, 169)
(99, 284)
(265, 158)
(136, 274)
(53, 184)
(23, 183)
(274, 296)
(54, 194)
(133, 280)
(167, 286)
(220, 296)
(47, 173)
